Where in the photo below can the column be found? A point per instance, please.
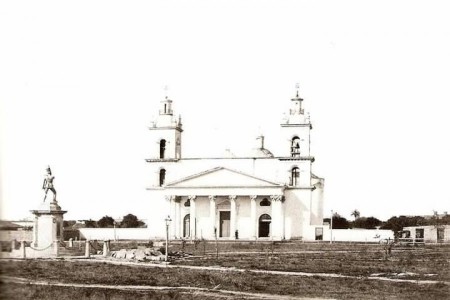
(178, 224)
(212, 215)
(232, 216)
(253, 216)
(193, 218)
(35, 231)
(171, 200)
(277, 217)
(87, 249)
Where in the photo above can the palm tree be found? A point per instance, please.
(355, 214)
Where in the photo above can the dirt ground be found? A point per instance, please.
(362, 271)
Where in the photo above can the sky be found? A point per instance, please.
(81, 81)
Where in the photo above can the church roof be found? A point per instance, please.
(261, 152)
(222, 177)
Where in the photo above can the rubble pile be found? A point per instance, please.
(138, 254)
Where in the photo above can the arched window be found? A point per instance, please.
(295, 146)
(295, 175)
(162, 177)
(264, 202)
(162, 148)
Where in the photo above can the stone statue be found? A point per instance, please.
(48, 184)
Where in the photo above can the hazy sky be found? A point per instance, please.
(80, 82)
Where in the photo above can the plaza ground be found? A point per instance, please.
(242, 271)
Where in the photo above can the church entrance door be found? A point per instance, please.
(224, 224)
(187, 225)
(264, 225)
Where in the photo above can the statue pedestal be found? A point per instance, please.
(48, 225)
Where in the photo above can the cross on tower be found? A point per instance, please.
(166, 89)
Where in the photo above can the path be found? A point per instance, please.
(215, 292)
(269, 272)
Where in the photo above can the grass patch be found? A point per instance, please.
(102, 273)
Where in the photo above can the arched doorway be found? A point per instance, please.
(264, 225)
(187, 225)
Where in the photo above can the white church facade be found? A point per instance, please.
(257, 196)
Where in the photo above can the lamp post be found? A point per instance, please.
(331, 228)
(168, 220)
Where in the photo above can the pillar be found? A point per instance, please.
(277, 217)
(35, 231)
(232, 217)
(178, 222)
(105, 248)
(87, 251)
(193, 218)
(253, 222)
(171, 200)
(56, 248)
(22, 249)
(212, 215)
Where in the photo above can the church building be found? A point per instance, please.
(257, 196)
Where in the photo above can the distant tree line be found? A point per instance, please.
(128, 221)
(395, 224)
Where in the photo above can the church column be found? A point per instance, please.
(212, 215)
(178, 224)
(232, 216)
(253, 216)
(171, 200)
(277, 218)
(193, 218)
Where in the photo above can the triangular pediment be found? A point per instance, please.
(222, 177)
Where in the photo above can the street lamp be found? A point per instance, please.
(168, 220)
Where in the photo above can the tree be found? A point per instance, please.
(340, 222)
(131, 221)
(67, 224)
(367, 223)
(105, 221)
(397, 223)
(355, 214)
(90, 223)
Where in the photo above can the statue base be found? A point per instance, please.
(48, 225)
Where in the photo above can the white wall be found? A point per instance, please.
(358, 235)
(120, 234)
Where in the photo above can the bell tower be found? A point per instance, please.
(295, 145)
(295, 129)
(166, 133)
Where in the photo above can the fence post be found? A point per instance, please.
(71, 242)
(56, 248)
(22, 249)
(105, 248)
(87, 252)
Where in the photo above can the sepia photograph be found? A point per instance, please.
(194, 149)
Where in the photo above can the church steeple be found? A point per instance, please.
(296, 106)
(166, 132)
(296, 113)
(166, 107)
(296, 128)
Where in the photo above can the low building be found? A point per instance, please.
(427, 234)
